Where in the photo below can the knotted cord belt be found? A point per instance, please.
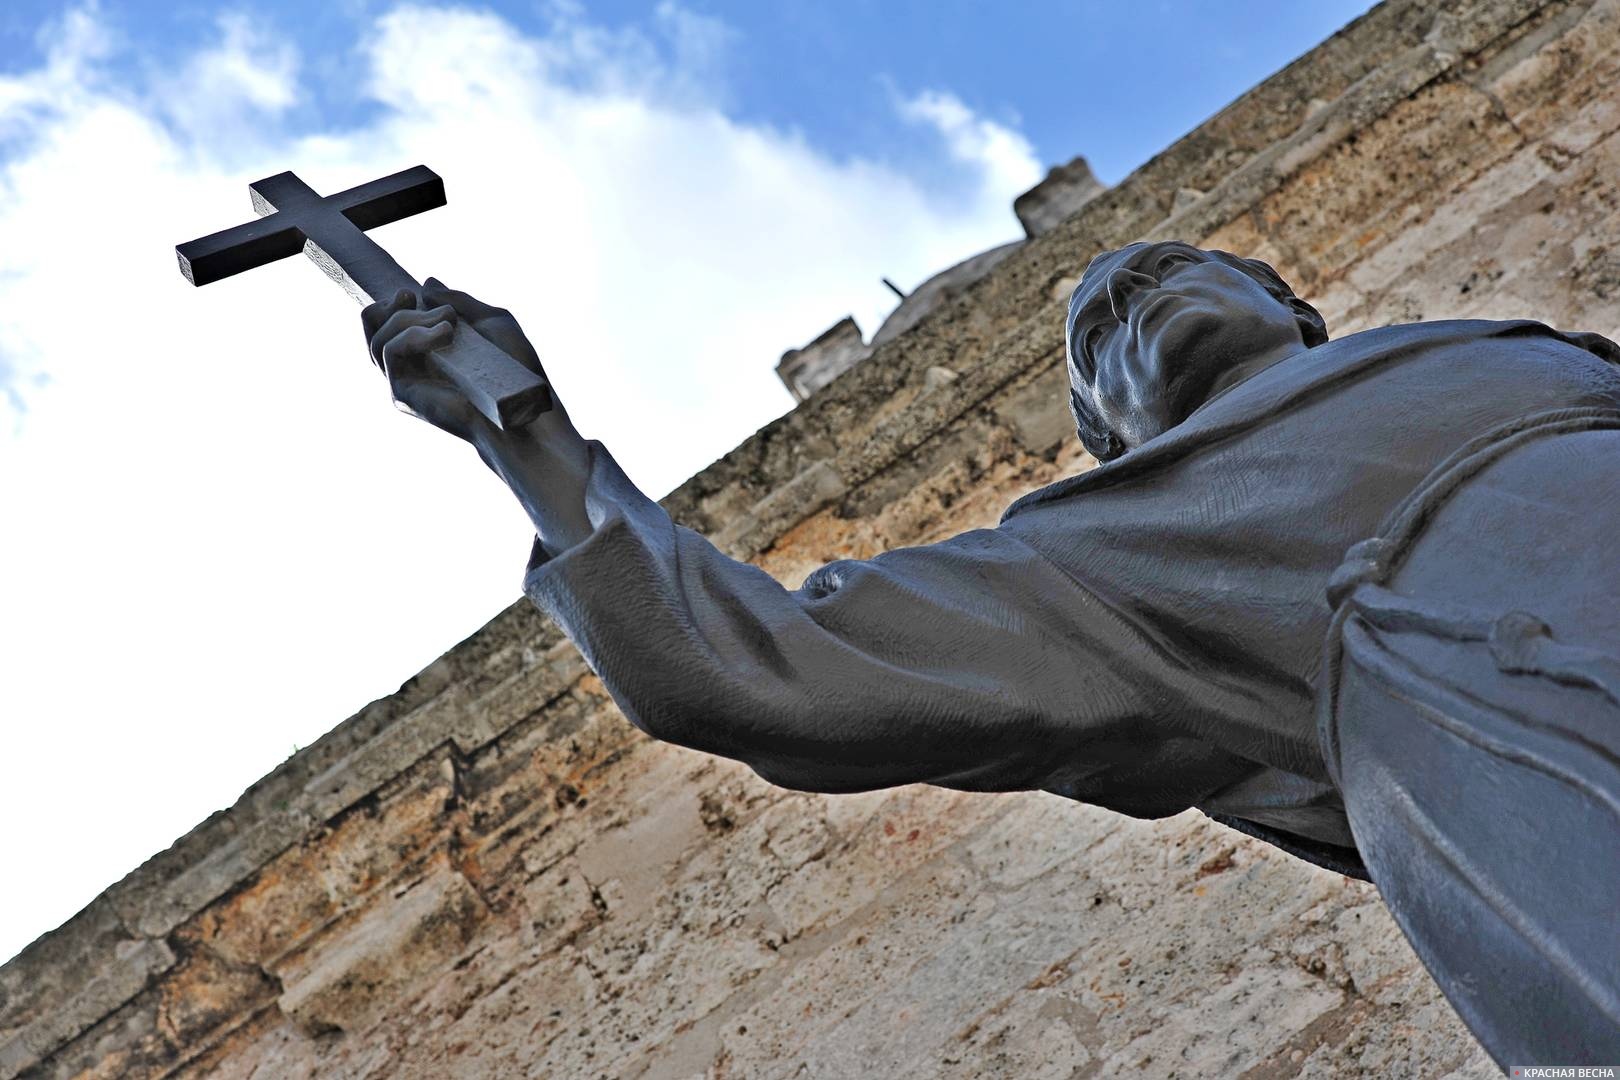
(1520, 643)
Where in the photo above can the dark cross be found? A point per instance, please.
(331, 231)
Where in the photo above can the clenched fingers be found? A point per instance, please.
(372, 316)
(496, 324)
(402, 319)
(469, 306)
(404, 351)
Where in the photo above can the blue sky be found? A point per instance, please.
(221, 540)
(1115, 81)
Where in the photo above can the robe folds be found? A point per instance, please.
(1364, 605)
(1147, 636)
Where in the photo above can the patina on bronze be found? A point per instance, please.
(1357, 597)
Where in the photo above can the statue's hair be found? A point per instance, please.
(1099, 440)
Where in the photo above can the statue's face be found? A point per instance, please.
(1155, 330)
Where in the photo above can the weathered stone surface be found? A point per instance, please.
(1065, 190)
(207, 993)
(490, 873)
(839, 348)
(347, 979)
(116, 977)
(219, 872)
(48, 974)
(1037, 413)
(333, 870)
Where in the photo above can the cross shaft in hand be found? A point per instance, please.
(331, 231)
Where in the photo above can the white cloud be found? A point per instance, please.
(1006, 157)
(220, 539)
(72, 44)
(228, 94)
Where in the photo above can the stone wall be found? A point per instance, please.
(490, 873)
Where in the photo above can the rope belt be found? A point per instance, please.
(1520, 643)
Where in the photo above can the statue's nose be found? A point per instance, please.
(1125, 284)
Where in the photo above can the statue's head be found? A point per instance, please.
(1156, 330)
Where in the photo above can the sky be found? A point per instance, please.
(219, 539)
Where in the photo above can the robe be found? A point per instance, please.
(1149, 636)
(1145, 636)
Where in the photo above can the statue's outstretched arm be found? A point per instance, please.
(543, 462)
(973, 663)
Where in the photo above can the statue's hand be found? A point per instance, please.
(545, 462)
(401, 333)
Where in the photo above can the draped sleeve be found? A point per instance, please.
(974, 663)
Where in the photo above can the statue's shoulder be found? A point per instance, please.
(1436, 330)
(1403, 337)
(1342, 364)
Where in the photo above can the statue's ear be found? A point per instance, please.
(1312, 327)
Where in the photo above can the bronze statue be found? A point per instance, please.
(1358, 598)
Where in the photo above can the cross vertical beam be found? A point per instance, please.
(331, 231)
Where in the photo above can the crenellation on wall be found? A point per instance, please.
(807, 369)
(1060, 194)
(492, 872)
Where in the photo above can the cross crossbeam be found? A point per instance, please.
(331, 230)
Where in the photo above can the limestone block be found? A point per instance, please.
(134, 963)
(43, 978)
(127, 1044)
(525, 693)
(395, 749)
(561, 901)
(1565, 69)
(1039, 833)
(1038, 413)
(223, 869)
(206, 993)
(836, 1010)
(660, 824)
(1458, 218)
(1042, 1032)
(1350, 198)
(351, 980)
(299, 892)
(819, 484)
(911, 828)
